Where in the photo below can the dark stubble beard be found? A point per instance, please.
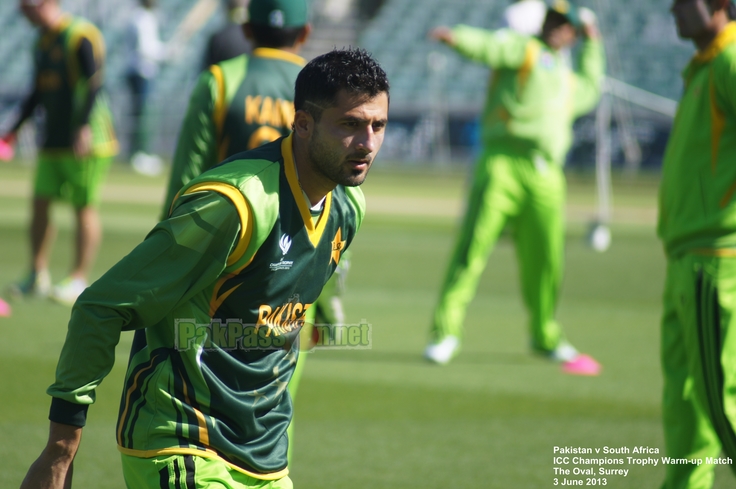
(330, 163)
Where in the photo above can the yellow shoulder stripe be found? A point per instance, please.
(244, 211)
(220, 108)
(716, 252)
(530, 59)
(723, 39)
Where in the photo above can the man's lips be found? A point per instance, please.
(359, 162)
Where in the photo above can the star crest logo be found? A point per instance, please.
(338, 245)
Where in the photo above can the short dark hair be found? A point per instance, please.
(265, 36)
(351, 69)
(554, 19)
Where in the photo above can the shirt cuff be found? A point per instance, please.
(66, 412)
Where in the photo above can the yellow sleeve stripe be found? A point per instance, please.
(530, 59)
(715, 252)
(220, 109)
(204, 437)
(128, 394)
(244, 211)
(718, 123)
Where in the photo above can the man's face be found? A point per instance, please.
(347, 137)
(558, 32)
(693, 17)
(562, 36)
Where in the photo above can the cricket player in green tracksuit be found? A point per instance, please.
(78, 141)
(236, 105)
(217, 294)
(244, 102)
(526, 130)
(208, 375)
(697, 225)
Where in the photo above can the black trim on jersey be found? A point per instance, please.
(27, 108)
(177, 473)
(163, 477)
(126, 435)
(181, 379)
(87, 70)
(183, 442)
(708, 320)
(66, 412)
(189, 471)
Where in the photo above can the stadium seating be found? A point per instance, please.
(642, 45)
(651, 56)
(171, 92)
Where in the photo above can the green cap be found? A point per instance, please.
(569, 10)
(278, 13)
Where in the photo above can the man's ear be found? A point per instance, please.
(716, 5)
(303, 124)
(303, 35)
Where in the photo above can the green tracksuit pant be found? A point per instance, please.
(521, 188)
(699, 367)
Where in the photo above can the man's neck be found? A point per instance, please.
(53, 19)
(314, 185)
(289, 49)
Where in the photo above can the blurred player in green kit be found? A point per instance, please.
(533, 100)
(697, 225)
(242, 103)
(79, 142)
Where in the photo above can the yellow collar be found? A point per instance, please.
(723, 39)
(279, 54)
(314, 230)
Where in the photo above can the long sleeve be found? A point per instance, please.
(497, 49)
(181, 257)
(27, 108)
(196, 148)
(724, 81)
(589, 77)
(91, 71)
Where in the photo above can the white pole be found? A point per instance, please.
(600, 235)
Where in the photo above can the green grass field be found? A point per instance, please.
(383, 418)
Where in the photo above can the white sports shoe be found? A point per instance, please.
(145, 164)
(67, 291)
(442, 351)
(564, 352)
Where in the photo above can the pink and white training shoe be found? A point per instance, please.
(582, 365)
(6, 150)
(5, 310)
